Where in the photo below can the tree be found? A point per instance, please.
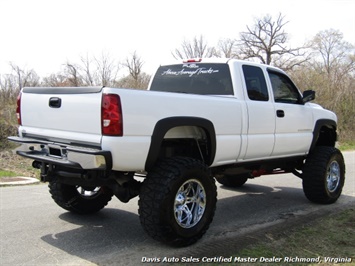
(73, 75)
(134, 65)
(334, 52)
(227, 48)
(128, 82)
(106, 71)
(25, 77)
(136, 79)
(331, 73)
(86, 67)
(55, 80)
(336, 59)
(10, 85)
(267, 40)
(197, 48)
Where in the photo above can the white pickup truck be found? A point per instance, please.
(200, 120)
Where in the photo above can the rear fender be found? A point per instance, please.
(167, 124)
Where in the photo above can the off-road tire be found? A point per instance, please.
(178, 201)
(323, 175)
(69, 198)
(232, 180)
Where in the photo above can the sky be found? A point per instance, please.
(44, 34)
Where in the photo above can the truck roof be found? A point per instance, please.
(218, 60)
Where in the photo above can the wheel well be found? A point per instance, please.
(187, 141)
(327, 137)
(324, 134)
(182, 136)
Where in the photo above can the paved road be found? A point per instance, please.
(35, 231)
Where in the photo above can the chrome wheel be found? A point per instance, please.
(177, 201)
(86, 192)
(190, 203)
(323, 175)
(333, 176)
(80, 199)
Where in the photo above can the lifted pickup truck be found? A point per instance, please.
(201, 120)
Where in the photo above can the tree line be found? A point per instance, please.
(326, 64)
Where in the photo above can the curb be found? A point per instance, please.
(18, 181)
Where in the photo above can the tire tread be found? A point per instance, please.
(314, 172)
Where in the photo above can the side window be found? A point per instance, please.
(284, 90)
(256, 84)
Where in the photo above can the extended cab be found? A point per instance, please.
(199, 120)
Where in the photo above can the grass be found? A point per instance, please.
(4, 173)
(329, 237)
(14, 165)
(346, 146)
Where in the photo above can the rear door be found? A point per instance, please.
(261, 114)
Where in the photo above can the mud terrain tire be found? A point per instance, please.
(178, 201)
(232, 180)
(79, 199)
(324, 175)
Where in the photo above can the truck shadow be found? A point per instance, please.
(114, 236)
(108, 231)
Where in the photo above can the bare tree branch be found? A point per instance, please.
(333, 51)
(197, 48)
(73, 75)
(106, 70)
(25, 77)
(267, 40)
(134, 65)
(86, 67)
(227, 48)
(136, 79)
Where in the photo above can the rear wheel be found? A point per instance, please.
(177, 201)
(79, 199)
(324, 175)
(233, 180)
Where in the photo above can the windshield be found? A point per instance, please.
(194, 78)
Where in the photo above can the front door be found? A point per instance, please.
(294, 120)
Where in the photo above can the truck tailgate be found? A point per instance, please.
(62, 114)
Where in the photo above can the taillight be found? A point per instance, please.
(111, 115)
(18, 109)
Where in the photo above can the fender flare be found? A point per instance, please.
(164, 125)
(331, 124)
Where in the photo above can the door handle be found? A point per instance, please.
(280, 113)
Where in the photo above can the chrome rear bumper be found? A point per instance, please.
(63, 154)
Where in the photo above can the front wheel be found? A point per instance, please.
(324, 175)
(79, 199)
(177, 201)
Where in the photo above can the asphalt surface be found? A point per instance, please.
(35, 231)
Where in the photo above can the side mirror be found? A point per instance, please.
(308, 95)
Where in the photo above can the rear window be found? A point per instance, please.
(194, 78)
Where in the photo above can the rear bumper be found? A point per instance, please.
(63, 154)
